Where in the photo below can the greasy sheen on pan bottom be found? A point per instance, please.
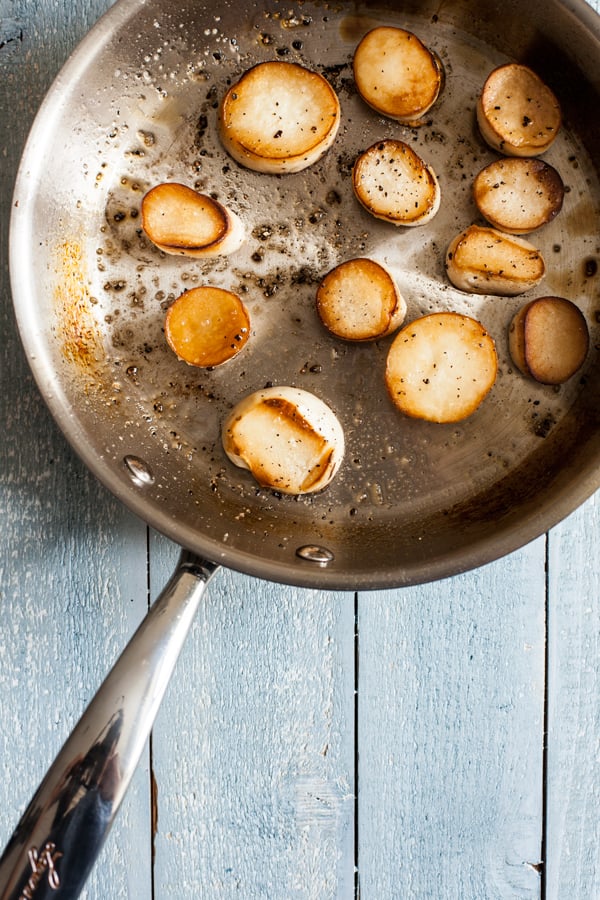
(414, 501)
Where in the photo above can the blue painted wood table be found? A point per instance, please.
(439, 741)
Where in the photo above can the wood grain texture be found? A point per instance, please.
(253, 750)
(450, 731)
(73, 587)
(573, 783)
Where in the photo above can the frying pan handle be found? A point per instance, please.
(63, 829)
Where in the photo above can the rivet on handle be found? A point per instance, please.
(321, 556)
(141, 473)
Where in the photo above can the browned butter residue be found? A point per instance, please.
(77, 327)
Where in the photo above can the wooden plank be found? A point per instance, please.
(450, 728)
(253, 751)
(73, 586)
(573, 771)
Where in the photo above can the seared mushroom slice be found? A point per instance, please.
(440, 367)
(360, 301)
(518, 194)
(206, 326)
(549, 339)
(180, 221)
(518, 114)
(288, 438)
(393, 183)
(396, 74)
(486, 261)
(279, 117)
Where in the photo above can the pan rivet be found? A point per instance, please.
(140, 471)
(314, 554)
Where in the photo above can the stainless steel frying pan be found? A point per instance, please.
(135, 105)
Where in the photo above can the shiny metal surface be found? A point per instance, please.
(414, 501)
(64, 827)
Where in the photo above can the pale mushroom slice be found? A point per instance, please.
(393, 183)
(360, 301)
(396, 74)
(441, 367)
(518, 194)
(484, 260)
(279, 117)
(288, 438)
(517, 113)
(183, 222)
(207, 326)
(548, 339)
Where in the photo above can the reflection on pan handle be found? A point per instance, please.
(64, 827)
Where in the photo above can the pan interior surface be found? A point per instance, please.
(137, 105)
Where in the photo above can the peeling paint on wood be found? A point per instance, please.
(11, 36)
(573, 783)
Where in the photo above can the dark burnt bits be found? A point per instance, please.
(543, 425)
